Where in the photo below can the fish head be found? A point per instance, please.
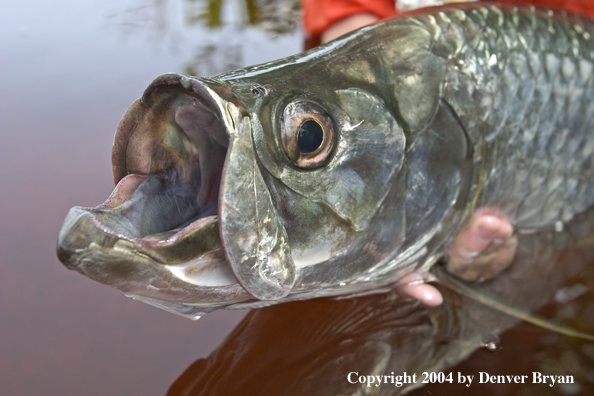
(271, 183)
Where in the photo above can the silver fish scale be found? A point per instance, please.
(522, 84)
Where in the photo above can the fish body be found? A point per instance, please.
(338, 170)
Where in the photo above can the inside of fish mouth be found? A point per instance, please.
(174, 162)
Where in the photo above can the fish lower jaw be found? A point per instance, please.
(185, 271)
(118, 245)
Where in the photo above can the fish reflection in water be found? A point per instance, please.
(310, 347)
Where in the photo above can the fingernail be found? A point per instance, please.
(488, 228)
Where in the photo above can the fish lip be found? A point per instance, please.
(138, 244)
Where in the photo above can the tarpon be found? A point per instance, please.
(340, 169)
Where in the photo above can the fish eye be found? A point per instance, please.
(307, 134)
(310, 137)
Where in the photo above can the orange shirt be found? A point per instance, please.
(319, 15)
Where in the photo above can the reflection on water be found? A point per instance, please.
(68, 76)
(310, 347)
(157, 20)
(211, 58)
(272, 16)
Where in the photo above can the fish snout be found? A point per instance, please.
(190, 225)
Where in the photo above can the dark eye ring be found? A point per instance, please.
(307, 134)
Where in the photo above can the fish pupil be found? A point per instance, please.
(310, 137)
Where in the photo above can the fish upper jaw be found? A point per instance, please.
(190, 226)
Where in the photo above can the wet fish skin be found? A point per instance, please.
(438, 113)
(530, 116)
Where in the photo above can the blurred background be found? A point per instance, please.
(69, 69)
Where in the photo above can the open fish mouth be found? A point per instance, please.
(158, 236)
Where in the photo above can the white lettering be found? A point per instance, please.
(551, 380)
(349, 377)
(483, 377)
(552, 377)
(398, 380)
(463, 379)
(568, 379)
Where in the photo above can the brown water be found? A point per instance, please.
(68, 71)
